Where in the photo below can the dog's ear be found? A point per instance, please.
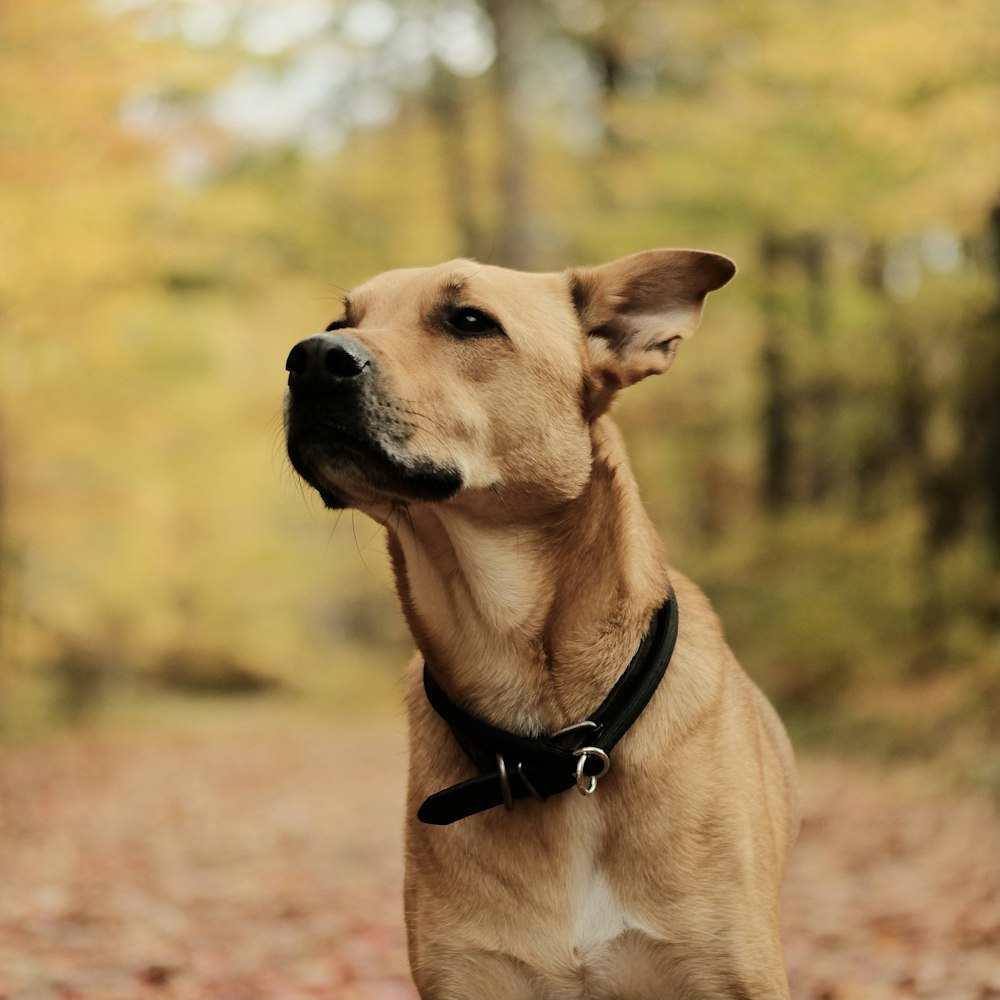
(636, 310)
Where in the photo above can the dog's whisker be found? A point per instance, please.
(428, 426)
(357, 542)
(329, 285)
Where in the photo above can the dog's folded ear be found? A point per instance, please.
(636, 310)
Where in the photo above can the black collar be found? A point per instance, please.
(514, 767)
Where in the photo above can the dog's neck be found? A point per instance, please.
(528, 622)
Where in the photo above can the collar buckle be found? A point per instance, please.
(566, 730)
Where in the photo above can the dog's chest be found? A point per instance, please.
(599, 914)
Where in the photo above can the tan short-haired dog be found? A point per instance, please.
(600, 801)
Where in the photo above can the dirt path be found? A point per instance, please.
(261, 861)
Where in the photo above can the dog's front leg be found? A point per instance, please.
(480, 975)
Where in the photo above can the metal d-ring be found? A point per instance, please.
(508, 797)
(586, 784)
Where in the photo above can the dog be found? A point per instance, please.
(600, 802)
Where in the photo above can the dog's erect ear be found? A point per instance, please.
(637, 309)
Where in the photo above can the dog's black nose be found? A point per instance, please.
(326, 358)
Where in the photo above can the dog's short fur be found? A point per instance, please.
(465, 407)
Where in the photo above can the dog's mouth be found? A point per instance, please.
(347, 438)
(351, 468)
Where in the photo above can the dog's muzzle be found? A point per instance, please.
(345, 436)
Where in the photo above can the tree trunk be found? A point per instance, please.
(777, 410)
(4, 557)
(448, 106)
(824, 391)
(514, 245)
(991, 424)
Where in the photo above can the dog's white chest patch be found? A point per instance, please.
(599, 916)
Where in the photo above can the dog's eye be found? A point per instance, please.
(469, 322)
(337, 324)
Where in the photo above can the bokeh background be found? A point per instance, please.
(188, 186)
(201, 749)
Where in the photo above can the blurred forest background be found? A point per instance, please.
(187, 187)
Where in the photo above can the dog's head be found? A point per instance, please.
(453, 380)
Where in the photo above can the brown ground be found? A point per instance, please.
(253, 861)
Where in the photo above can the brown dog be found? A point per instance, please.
(465, 408)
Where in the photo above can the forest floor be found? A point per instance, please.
(258, 857)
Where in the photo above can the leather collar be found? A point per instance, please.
(515, 767)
